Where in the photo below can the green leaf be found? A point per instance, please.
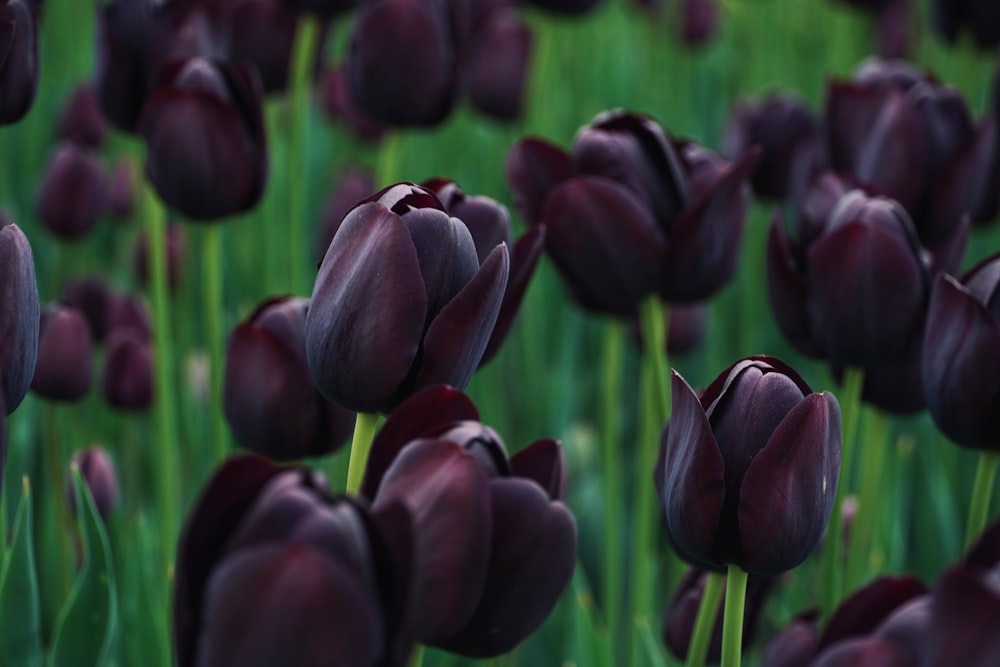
(20, 612)
(87, 625)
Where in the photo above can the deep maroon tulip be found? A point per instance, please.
(73, 194)
(324, 8)
(568, 7)
(339, 105)
(857, 292)
(496, 64)
(98, 473)
(784, 128)
(176, 246)
(351, 187)
(270, 401)
(699, 21)
(534, 167)
(686, 327)
(749, 470)
(19, 315)
(262, 32)
(65, 354)
(961, 358)
(894, 27)
(81, 119)
(795, 645)
(979, 17)
(127, 383)
(121, 191)
(893, 389)
(272, 570)
(403, 61)
(129, 311)
(401, 302)
(482, 595)
(211, 108)
(19, 60)
(489, 223)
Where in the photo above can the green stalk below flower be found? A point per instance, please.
(732, 622)
(862, 534)
(361, 445)
(705, 621)
(612, 471)
(213, 305)
(982, 489)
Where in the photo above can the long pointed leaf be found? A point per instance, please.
(20, 612)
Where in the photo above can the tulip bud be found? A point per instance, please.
(339, 105)
(206, 103)
(351, 188)
(98, 473)
(497, 64)
(534, 167)
(121, 191)
(65, 352)
(81, 120)
(748, 471)
(269, 398)
(92, 297)
(795, 645)
(19, 316)
(699, 21)
(401, 302)
(262, 32)
(176, 246)
(73, 193)
(19, 65)
(128, 370)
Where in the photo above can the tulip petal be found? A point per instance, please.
(964, 609)
(787, 493)
(445, 490)
(367, 311)
(866, 609)
(961, 361)
(985, 552)
(534, 167)
(523, 261)
(861, 652)
(795, 645)
(786, 286)
(19, 315)
(393, 550)
(893, 158)
(541, 461)
(446, 253)
(288, 605)
(457, 338)
(531, 563)
(694, 487)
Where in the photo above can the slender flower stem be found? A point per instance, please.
(705, 621)
(361, 444)
(417, 659)
(850, 406)
(654, 315)
(982, 488)
(611, 463)
(54, 460)
(732, 622)
(303, 62)
(863, 528)
(165, 410)
(388, 159)
(213, 304)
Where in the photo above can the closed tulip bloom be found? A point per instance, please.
(73, 194)
(207, 153)
(272, 570)
(483, 594)
(749, 470)
(401, 302)
(121, 191)
(19, 315)
(795, 644)
(270, 401)
(81, 119)
(534, 167)
(92, 296)
(262, 32)
(19, 60)
(403, 61)
(961, 358)
(127, 383)
(65, 354)
(176, 242)
(496, 64)
(98, 473)
(340, 106)
(699, 21)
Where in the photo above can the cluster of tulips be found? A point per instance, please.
(429, 535)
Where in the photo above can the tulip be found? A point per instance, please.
(176, 241)
(65, 354)
(272, 570)
(339, 105)
(403, 61)
(483, 594)
(980, 17)
(534, 167)
(121, 191)
(961, 357)
(262, 32)
(748, 471)
(699, 21)
(19, 64)
(351, 187)
(73, 193)
(795, 645)
(208, 106)
(127, 382)
(496, 64)
(323, 8)
(401, 302)
(19, 316)
(98, 473)
(268, 396)
(81, 119)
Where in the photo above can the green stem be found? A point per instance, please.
(388, 159)
(705, 621)
(732, 621)
(303, 62)
(862, 533)
(614, 344)
(55, 463)
(981, 491)
(417, 659)
(213, 304)
(164, 409)
(273, 249)
(361, 444)
(850, 407)
(654, 315)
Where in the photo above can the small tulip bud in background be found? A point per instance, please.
(19, 315)
(496, 70)
(127, 383)
(121, 191)
(19, 63)
(176, 250)
(73, 194)
(81, 119)
(262, 32)
(98, 473)
(65, 354)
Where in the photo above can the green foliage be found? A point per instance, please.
(20, 612)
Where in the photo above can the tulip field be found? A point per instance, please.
(541, 333)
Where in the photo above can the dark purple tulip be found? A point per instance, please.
(482, 595)
(496, 64)
(489, 223)
(401, 302)
(403, 61)
(961, 358)
(979, 17)
(894, 28)
(784, 128)
(865, 611)
(211, 106)
(567, 7)
(270, 401)
(127, 383)
(350, 188)
(73, 194)
(176, 250)
(323, 8)
(95, 299)
(748, 471)
(19, 60)
(272, 570)
(121, 191)
(795, 645)
(81, 119)
(339, 105)
(129, 311)
(893, 389)
(534, 167)
(857, 293)
(19, 315)
(686, 327)
(262, 32)
(699, 21)
(65, 354)
(98, 473)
